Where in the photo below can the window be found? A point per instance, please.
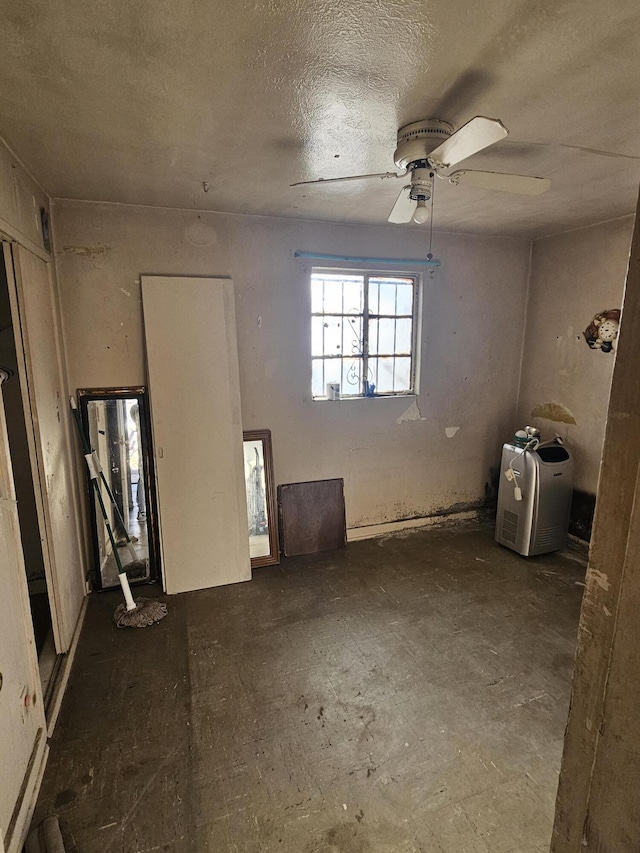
(363, 332)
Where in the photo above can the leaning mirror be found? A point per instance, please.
(117, 427)
(258, 471)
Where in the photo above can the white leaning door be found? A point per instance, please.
(22, 721)
(194, 389)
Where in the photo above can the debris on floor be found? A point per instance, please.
(51, 836)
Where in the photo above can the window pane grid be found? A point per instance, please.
(353, 311)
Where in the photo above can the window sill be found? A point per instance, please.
(411, 396)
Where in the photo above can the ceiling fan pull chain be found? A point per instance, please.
(430, 252)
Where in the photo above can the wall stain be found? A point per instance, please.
(553, 411)
(65, 797)
(200, 234)
(86, 251)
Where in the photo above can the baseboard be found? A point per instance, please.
(372, 531)
(53, 708)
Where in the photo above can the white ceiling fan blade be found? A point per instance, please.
(404, 208)
(472, 137)
(381, 175)
(521, 184)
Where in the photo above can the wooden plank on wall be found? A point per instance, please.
(194, 390)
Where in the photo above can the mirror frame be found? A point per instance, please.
(140, 392)
(273, 557)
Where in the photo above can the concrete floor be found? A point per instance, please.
(404, 694)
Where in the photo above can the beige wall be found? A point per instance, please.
(393, 468)
(574, 276)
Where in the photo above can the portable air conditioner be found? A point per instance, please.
(542, 477)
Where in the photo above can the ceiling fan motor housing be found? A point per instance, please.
(418, 139)
(421, 184)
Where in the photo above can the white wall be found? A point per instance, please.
(574, 276)
(472, 334)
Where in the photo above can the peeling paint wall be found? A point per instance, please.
(400, 458)
(565, 385)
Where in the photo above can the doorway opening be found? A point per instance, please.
(30, 532)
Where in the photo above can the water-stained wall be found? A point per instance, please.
(400, 458)
(565, 385)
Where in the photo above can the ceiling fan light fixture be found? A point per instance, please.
(421, 213)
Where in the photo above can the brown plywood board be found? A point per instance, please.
(312, 517)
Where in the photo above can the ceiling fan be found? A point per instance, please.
(428, 149)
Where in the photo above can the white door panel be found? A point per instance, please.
(197, 430)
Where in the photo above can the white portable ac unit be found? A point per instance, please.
(543, 479)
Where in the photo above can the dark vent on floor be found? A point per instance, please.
(509, 526)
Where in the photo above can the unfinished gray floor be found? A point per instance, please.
(405, 694)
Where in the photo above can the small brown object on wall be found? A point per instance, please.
(312, 517)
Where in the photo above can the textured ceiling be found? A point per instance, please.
(115, 100)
